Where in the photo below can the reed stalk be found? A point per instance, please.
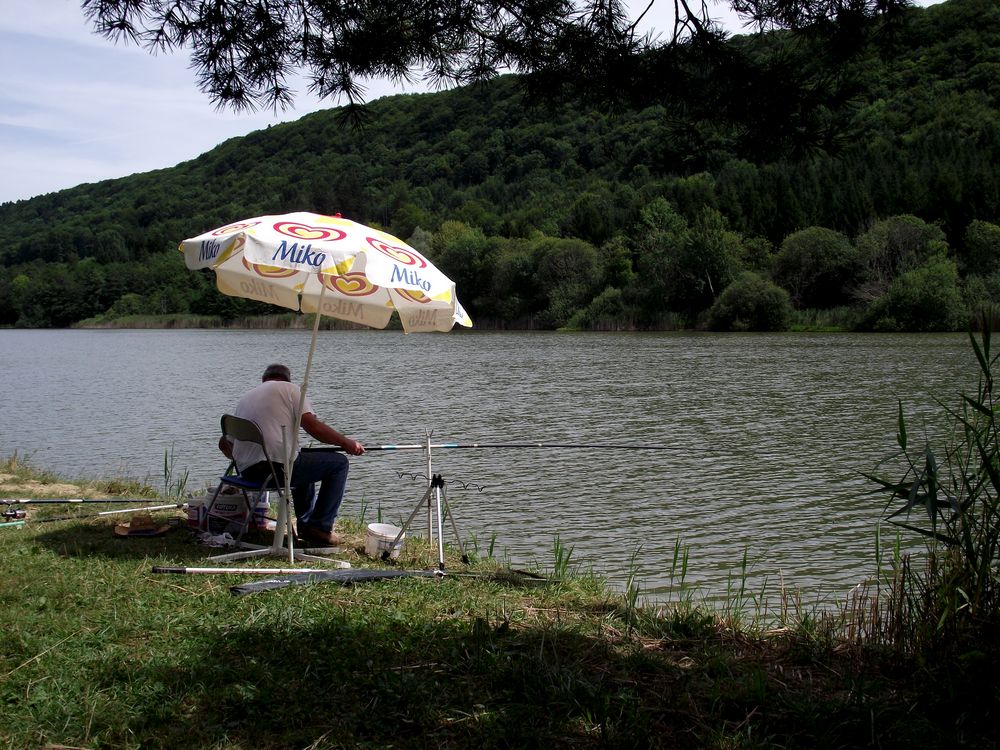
(945, 603)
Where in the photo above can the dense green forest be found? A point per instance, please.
(877, 208)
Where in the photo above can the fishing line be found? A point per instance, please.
(425, 478)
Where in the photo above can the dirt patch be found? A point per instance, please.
(11, 485)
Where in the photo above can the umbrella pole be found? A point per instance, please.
(286, 508)
(298, 425)
(298, 415)
(309, 362)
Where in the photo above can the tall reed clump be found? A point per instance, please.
(945, 609)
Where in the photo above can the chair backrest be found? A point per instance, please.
(243, 429)
(248, 431)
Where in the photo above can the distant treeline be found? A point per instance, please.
(553, 217)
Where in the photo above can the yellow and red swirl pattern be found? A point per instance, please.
(306, 232)
(232, 249)
(269, 272)
(234, 228)
(413, 295)
(404, 255)
(350, 284)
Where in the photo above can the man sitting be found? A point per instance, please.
(272, 405)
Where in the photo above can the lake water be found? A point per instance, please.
(765, 436)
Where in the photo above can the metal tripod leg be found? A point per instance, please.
(443, 500)
(437, 487)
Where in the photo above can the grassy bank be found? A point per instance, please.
(99, 652)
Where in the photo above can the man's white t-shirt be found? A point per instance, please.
(272, 404)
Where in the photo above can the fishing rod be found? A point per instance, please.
(78, 500)
(15, 516)
(425, 446)
(349, 576)
(428, 447)
(343, 577)
(144, 509)
(176, 570)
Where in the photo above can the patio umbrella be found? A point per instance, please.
(309, 262)
(326, 265)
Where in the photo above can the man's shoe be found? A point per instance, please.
(315, 535)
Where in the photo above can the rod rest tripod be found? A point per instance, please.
(437, 489)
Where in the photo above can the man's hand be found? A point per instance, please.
(326, 434)
(353, 447)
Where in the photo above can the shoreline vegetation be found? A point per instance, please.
(100, 652)
(184, 321)
(807, 321)
(834, 320)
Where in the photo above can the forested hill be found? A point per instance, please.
(885, 189)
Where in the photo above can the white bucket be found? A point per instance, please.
(379, 540)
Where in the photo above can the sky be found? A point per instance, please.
(75, 108)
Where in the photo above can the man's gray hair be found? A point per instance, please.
(277, 372)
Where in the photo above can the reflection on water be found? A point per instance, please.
(764, 436)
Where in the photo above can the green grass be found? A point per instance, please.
(99, 652)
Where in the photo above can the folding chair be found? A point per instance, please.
(235, 520)
(247, 430)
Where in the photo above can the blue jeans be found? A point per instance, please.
(330, 470)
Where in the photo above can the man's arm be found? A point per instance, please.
(326, 434)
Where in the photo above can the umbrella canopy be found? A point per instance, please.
(330, 265)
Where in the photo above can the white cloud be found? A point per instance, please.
(75, 108)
